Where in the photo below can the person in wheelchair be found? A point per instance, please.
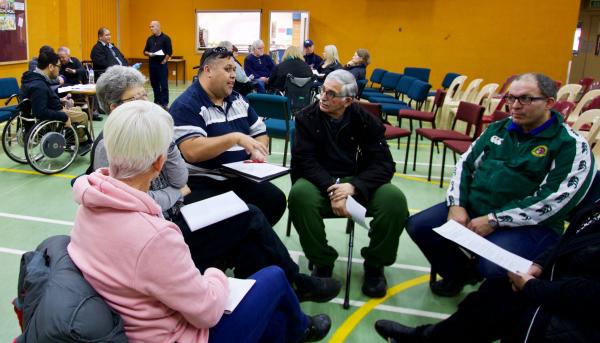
(291, 63)
(45, 102)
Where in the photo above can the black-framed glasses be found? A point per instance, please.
(141, 96)
(331, 94)
(219, 52)
(523, 99)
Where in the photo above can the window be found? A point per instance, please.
(286, 29)
(239, 27)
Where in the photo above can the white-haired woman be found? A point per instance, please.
(142, 267)
(331, 61)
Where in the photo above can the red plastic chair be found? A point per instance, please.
(422, 116)
(391, 132)
(594, 85)
(457, 147)
(470, 113)
(564, 107)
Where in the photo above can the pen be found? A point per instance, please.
(255, 161)
(337, 182)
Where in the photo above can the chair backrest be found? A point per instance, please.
(568, 92)
(404, 85)
(377, 75)
(298, 90)
(589, 117)
(471, 90)
(270, 106)
(361, 87)
(438, 100)
(499, 115)
(418, 93)
(594, 104)
(372, 107)
(485, 93)
(447, 81)
(471, 114)
(419, 73)
(507, 83)
(390, 80)
(594, 85)
(587, 97)
(455, 87)
(8, 87)
(585, 83)
(564, 107)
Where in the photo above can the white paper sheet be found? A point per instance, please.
(212, 210)
(482, 247)
(76, 88)
(238, 288)
(357, 211)
(257, 170)
(159, 53)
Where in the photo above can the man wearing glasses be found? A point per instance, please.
(515, 186)
(258, 65)
(216, 125)
(340, 151)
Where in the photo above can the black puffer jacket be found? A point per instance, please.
(45, 103)
(359, 149)
(568, 291)
(58, 304)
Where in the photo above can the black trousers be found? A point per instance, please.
(159, 79)
(245, 242)
(266, 196)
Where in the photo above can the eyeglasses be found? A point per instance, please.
(331, 94)
(523, 99)
(219, 51)
(141, 96)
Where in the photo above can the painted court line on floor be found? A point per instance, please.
(395, 309)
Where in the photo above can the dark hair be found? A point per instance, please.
(546, 85)
(212, 54)
(101, 31)
(46, 48)
(47, 57)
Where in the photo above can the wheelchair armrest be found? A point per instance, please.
(10, 99)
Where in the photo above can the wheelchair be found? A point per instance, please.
(46, 145)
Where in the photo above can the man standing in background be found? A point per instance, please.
(159, 50)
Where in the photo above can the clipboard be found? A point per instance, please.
(256, 171)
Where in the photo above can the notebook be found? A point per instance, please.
(213, 210)
(238, 288)
(256, 171)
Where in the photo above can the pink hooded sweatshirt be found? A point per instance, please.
(141, 265)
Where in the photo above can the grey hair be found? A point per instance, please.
(136, 134)
(64, 49)
(346, 79)
(226, 44)
(546, 85)
(257, 43)
(114, 82)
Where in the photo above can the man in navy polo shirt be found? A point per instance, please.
(259, 65)
(216, 125)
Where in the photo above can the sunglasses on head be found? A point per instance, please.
(219, 52)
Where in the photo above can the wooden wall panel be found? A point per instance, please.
(95, 14)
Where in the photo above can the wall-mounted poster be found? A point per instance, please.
(13, 32)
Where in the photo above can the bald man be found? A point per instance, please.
(159, 50)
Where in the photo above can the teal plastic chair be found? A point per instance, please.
(9, 90)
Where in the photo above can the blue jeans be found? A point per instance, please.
(159, 79)
(450, 262)
(260, 86)
(270, 312)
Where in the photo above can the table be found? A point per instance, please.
(89, 91)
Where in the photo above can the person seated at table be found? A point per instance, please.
(331, 61)
(358, 64)
(139, 263)
(293, 63)
(313, 60)
(71, 70)
(246, 241)
(554, 301)
(259, 65)
(45, 103)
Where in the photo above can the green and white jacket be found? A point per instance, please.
(524, 179)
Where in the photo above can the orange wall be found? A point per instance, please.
(488, 39)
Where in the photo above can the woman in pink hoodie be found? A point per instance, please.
(141, 265)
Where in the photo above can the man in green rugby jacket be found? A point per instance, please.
(515, 186)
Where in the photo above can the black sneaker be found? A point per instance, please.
(374, 282)
(448, 287)
(323, 271)
(320, 290)
(96, 117)
(318, 328)
(396, 332)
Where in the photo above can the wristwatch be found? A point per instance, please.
(493, 220)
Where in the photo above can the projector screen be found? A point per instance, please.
(239, 27)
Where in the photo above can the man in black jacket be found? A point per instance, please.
(555, 301)
(340, 151)
(159, 50)
(104, 54)
(71, 70)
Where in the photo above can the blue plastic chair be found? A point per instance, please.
(278, 117)
(419, 73)
(401, 89)
(9, 89)
(388, 83)
(376, 77)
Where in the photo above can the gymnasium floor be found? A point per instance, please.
(35, 206)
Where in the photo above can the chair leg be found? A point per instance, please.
(421, 126)
(430, 161)
(443, 165)
(406, 156)
(285, 148)
(350, 230)
(437, 147)
(415, 154)
(288, 230)
(270, 144)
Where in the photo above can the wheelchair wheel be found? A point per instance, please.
(51, 147)
(13, 139)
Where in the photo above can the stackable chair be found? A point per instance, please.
(586, 99)
(388, 84)
(564, 107)
(446, 82)
(419, 73)
(591, 119)
(468, 95)
(568, 92)
(278, 117)
(467, 112)
(9, 91)
(376, 77)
